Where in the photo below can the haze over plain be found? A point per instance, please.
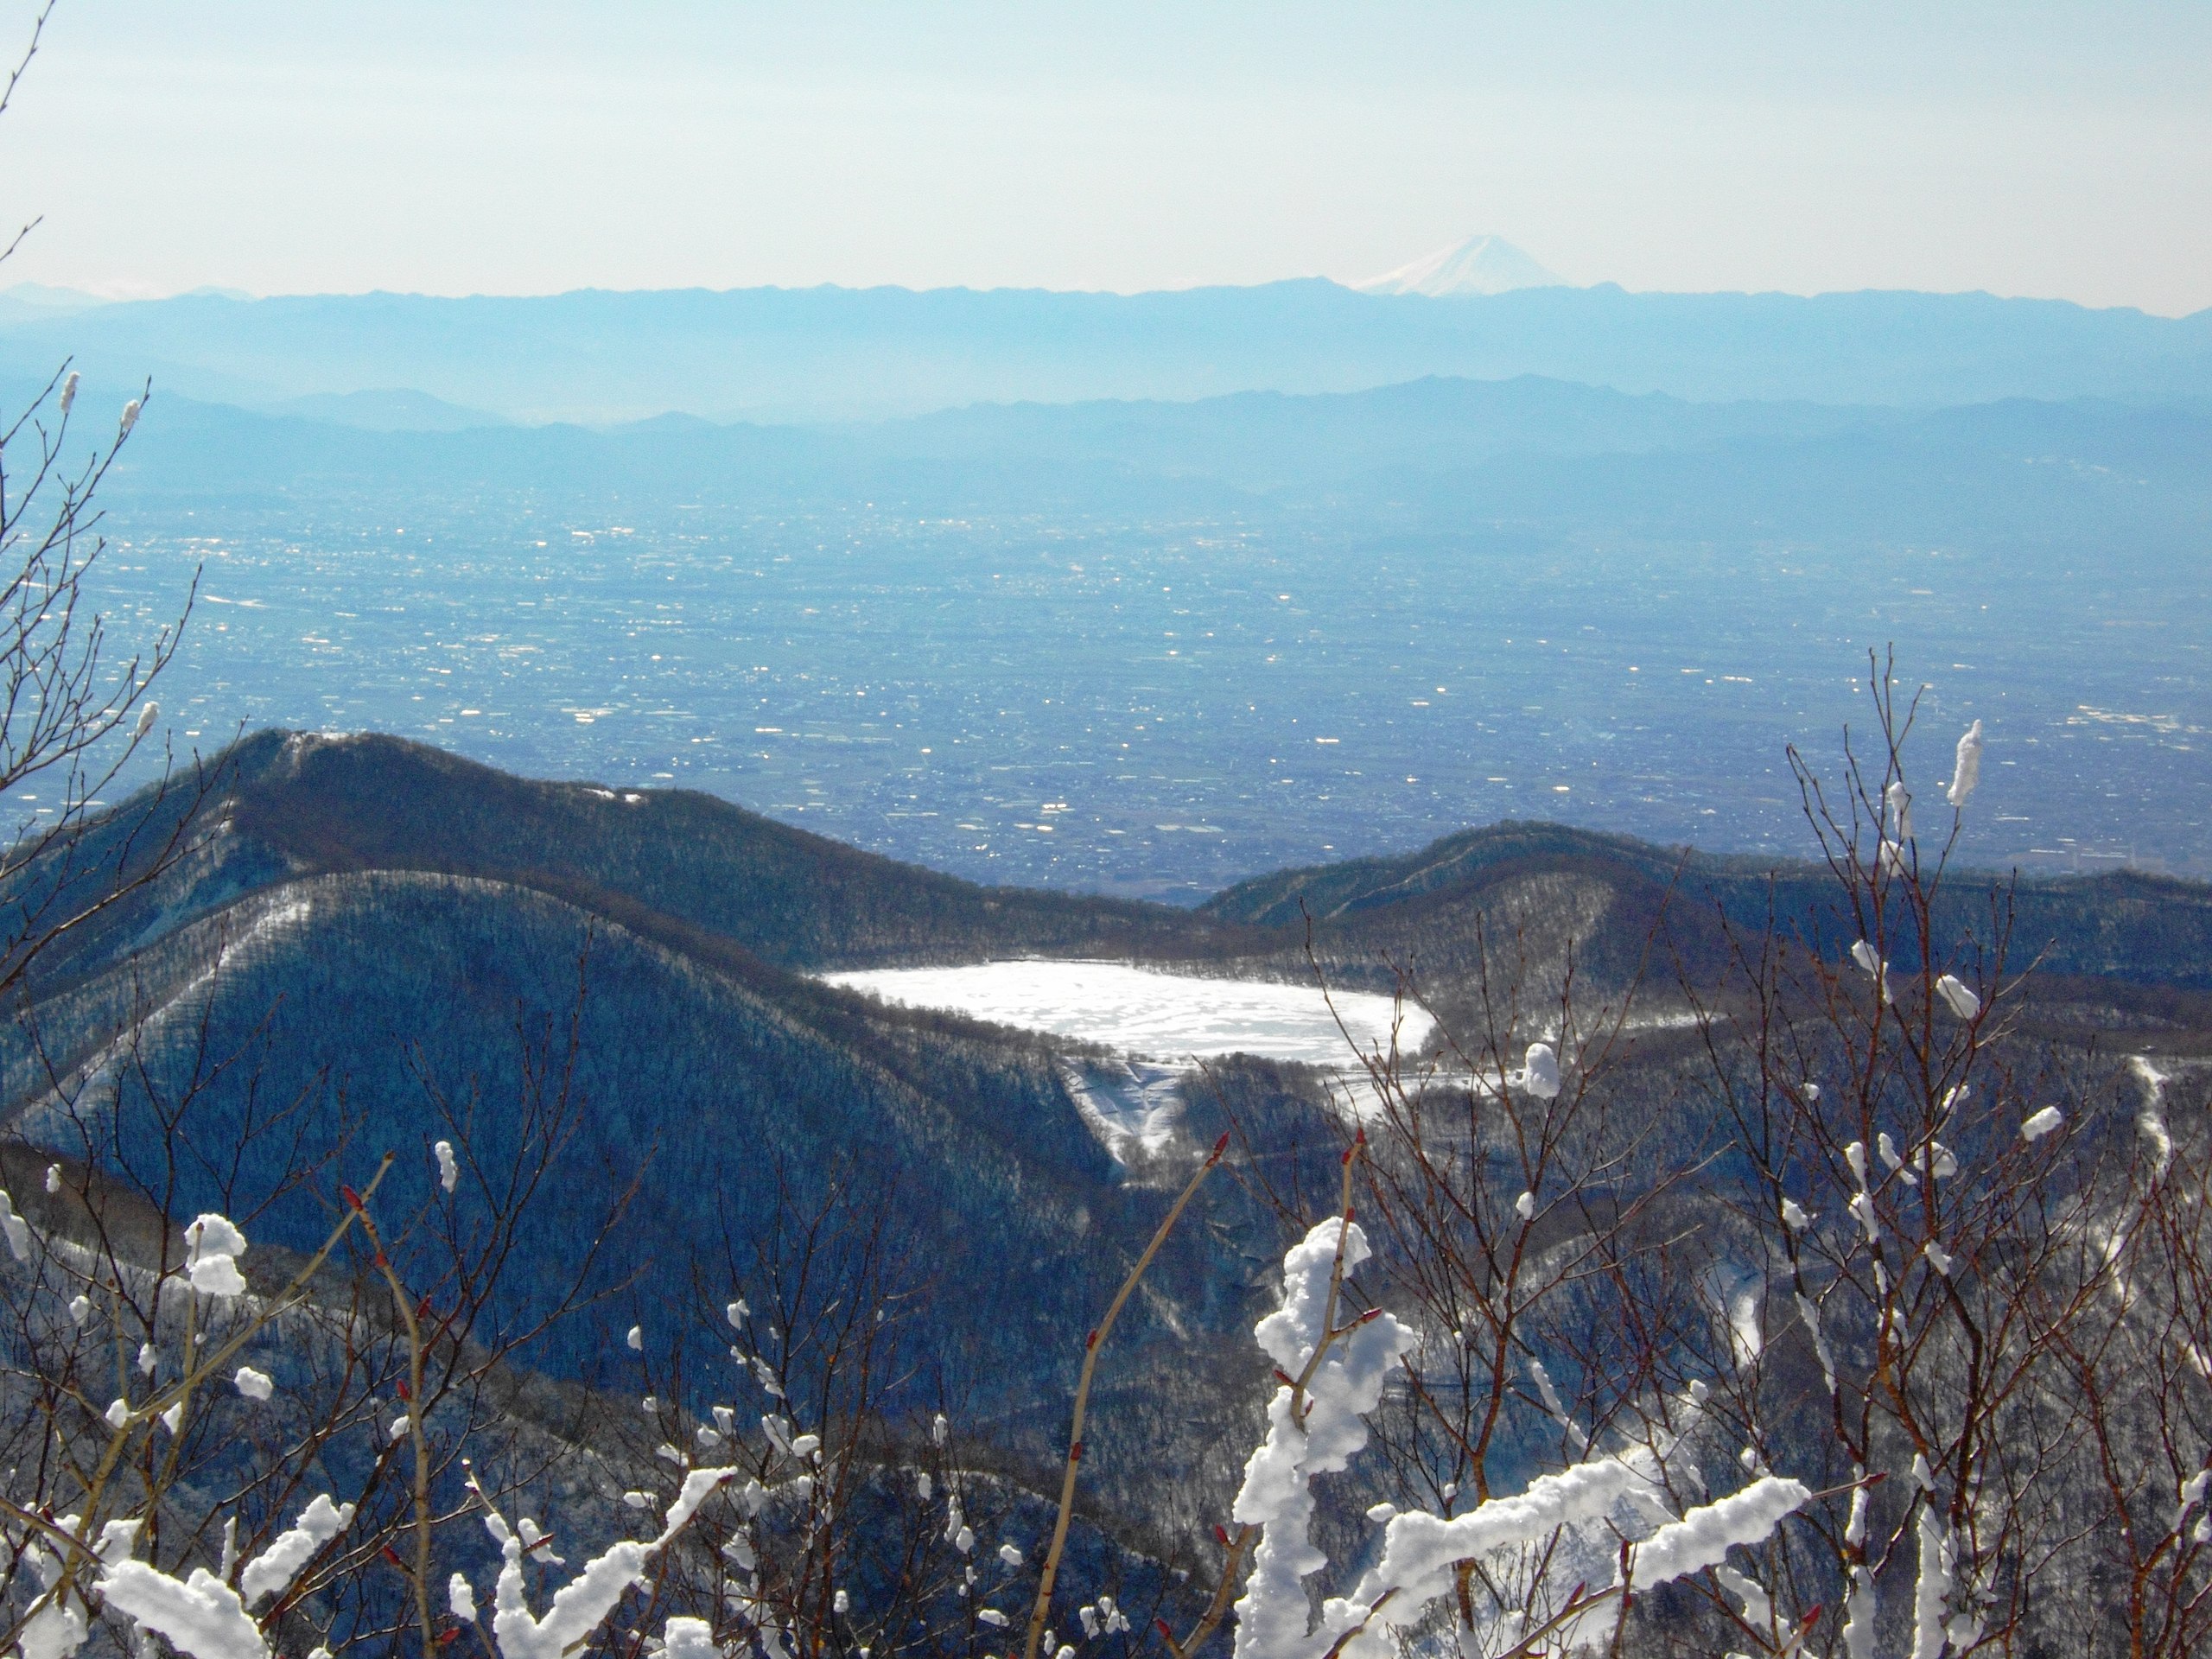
(1175, 628)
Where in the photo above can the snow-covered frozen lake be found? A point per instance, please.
(1168, 1016)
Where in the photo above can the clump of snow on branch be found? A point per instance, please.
(1958, 996)
(212, 1245)
(17, 1230)
(275, 1568)
(1898, 800)
(1871, 963)
(689, 1638)
(57, 1626)
(1420, 1551)
(1859, 1605)
(1933, 1587)
(1897, 803)
(198, 1614)
(1539, 1072)
(1703, 1537)
(1966, 767)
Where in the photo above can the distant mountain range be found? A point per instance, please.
(386, 411)
(834, 353)
(2020, 473)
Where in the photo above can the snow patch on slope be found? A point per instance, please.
(1132, 1106)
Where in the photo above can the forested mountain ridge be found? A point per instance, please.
(300, 803)
(763, 900)
(2141, 929)
(369, 945)
(344, 961)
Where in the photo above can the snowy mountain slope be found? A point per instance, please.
(304, 847)
(761, 900)
(357, 936)
(1480, 265)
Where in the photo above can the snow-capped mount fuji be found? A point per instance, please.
(1480, 265)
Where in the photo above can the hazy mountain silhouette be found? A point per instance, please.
(1544, 450)
(387, 411)
(829, 352)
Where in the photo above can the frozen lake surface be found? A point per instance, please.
(1167, 1016)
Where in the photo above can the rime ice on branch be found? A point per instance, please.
(1316, 1426)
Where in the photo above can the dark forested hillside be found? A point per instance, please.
(397, 989)
(304, 803)
(758, 902)
(370, 945)
(2142, 930)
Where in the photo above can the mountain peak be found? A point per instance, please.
(1481, 264)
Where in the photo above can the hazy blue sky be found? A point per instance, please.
(2045, 149)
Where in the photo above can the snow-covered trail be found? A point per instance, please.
(1163, 1016)
(269, 917)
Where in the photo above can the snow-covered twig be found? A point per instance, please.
(578, 1606)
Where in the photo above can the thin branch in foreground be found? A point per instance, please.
(1091, 1345)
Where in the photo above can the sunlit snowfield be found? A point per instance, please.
(1165, 1016)
(1158, 707)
